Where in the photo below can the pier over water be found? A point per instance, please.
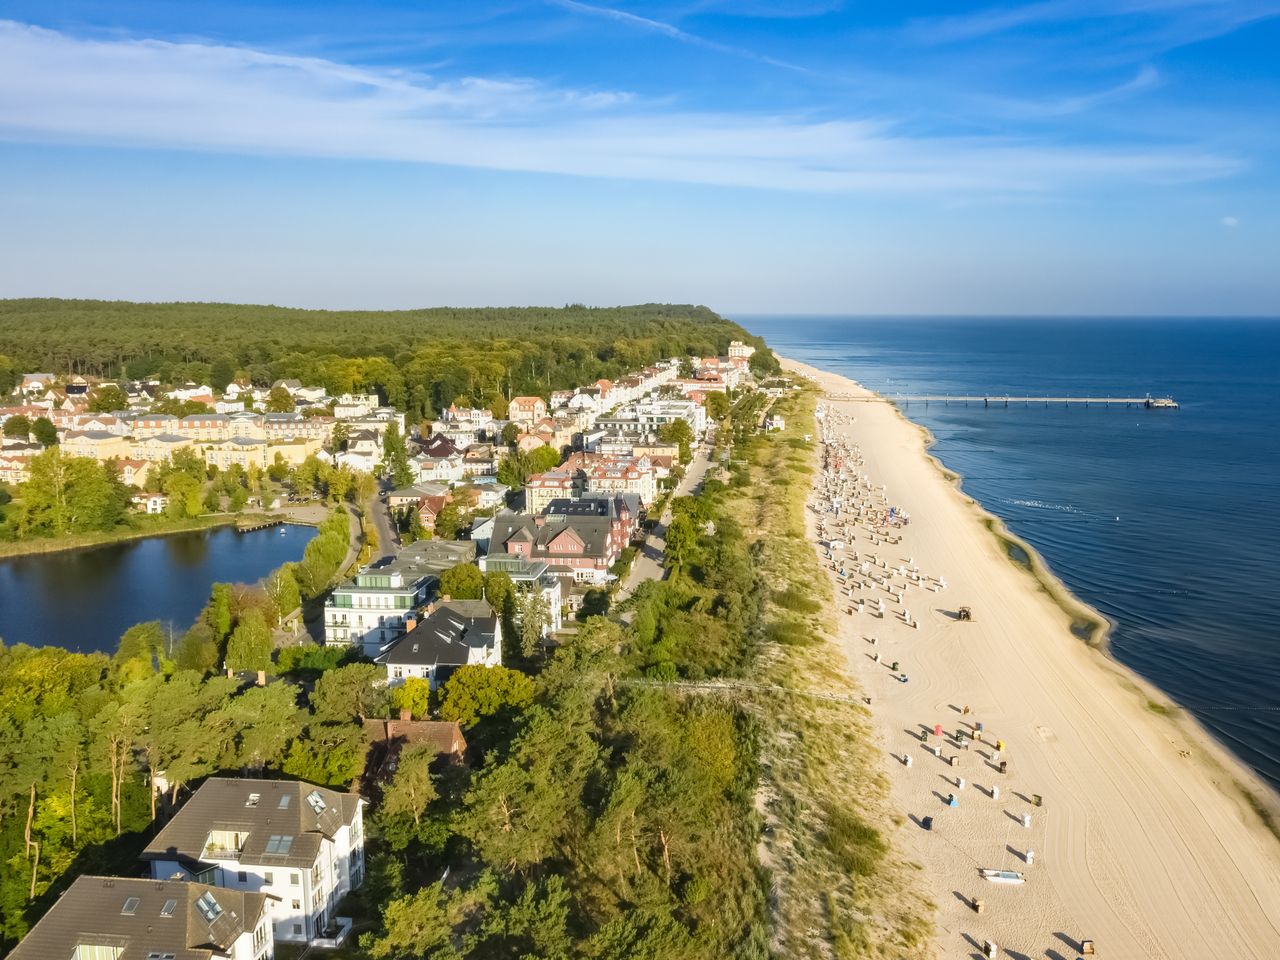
(1149, 403)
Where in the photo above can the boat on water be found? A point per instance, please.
(1161, 403)
(1002, 876)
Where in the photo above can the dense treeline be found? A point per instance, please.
(604, 815)
(417, 360)
(612, 818)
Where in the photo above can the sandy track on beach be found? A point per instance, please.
(1142, 844)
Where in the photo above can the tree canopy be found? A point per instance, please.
(420, 361)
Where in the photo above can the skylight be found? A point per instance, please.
(130, 906)
(279, 844)
(284, 800)
(209, 908)
(316, 801)
(168, 908)
(253, 800)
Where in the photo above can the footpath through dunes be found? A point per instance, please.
(1145, 842)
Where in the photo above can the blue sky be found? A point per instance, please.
(1059, 156)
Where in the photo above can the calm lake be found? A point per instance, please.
(84, 599)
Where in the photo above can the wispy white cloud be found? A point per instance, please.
(1147, 78)
(672, 31)
(207, 97)
(1231, 221)
(768, 9)
(1167, 23)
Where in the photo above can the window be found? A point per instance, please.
(167, 909)
(253, 800)
(93, 951)
(316, 801)
(278, 844)
(130, 907)
(295, 878)
(268, 877)
(209, 908)
(297, 929)
(242, 876)
(284, 801)
(157, 955)
(297, 904)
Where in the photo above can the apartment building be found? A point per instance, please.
(300, 845)
(125, 918)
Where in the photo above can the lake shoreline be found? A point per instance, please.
(91, 541)
(88, 541)
(83, 599)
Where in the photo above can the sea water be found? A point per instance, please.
(1166, 521)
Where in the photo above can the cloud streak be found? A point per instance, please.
(673, 32)
(213, 98)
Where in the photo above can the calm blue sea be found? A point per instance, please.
(1166, 521)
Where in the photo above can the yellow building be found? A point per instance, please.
(94, 444)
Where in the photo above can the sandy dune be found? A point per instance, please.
(1142, 843)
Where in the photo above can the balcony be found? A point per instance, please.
(220, 851)
(334, 935)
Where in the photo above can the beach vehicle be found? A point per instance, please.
(1002, 876)
(964, 613)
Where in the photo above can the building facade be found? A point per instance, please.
(301, 845)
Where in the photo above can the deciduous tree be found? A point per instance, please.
(476, 691)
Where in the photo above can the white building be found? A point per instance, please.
(121, 918)
(352, 405)
(438, 469)
(456, 633)
(529, 576)
(301, 845)
(370, 610)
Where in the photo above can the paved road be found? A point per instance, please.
(380, 514)
(648, 564)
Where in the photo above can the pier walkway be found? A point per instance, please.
(1150, 403)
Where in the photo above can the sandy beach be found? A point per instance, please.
(1143, 841)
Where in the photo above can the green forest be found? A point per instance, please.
(605, 811)
(417, 360)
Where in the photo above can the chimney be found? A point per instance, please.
(231, 674)
(406, 713)
(262, 678)
(411, 622)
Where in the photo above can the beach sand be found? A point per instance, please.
(1144, 843)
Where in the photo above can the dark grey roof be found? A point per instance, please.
(592, 531)
(143, 917)
(91, 434)
(632, 500)
(225, 803)
(447, 636)
(595, 504)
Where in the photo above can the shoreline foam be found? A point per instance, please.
(1211, 848)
